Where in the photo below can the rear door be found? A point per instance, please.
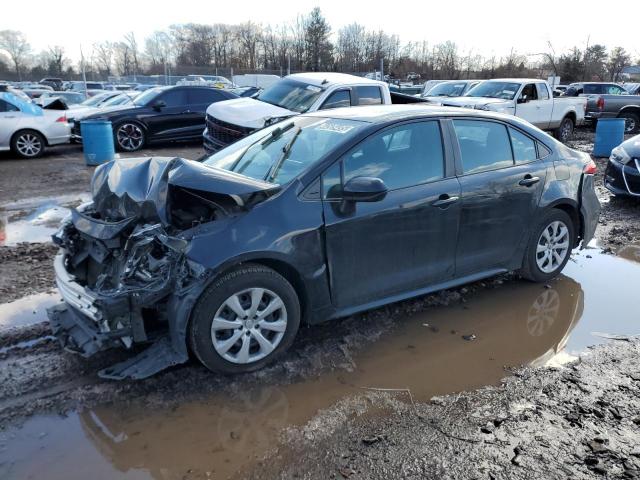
(499, 194)
(198, 100)
(9, 119)
(405, 241)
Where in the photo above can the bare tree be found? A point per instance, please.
(17, 47)
(103, 56)
(132, 46)
(619, 59)
(248, 35)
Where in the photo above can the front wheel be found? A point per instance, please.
(244, 320)
(549, 247)
(129, 136)
(565, 130)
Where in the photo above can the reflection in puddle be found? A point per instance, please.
(630, 252)
(517, 323)
(27, 310)
(35, 220)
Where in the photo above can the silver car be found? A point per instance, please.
(27, 130)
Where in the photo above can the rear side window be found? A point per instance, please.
(483, 145)
(7, 107)
(616, 90)
(174, 98)
(543, 151)
(543, 92)
(369, 95)
(403, 156)
(197, 96)
(524, 148)
(341, 98)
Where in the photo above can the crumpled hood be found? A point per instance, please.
(472, 102)
(246, 112)
(140, 187)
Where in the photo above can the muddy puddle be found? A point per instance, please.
(35, 220)
(443, 350)
(27, 310)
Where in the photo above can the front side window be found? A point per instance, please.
(401, 157)
(281, 152)
(524, 148)
(591, 89)
(616, 90)
(530, 92)
(341, 98)
(369, 95)
(483, 145)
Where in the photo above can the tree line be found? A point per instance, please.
(306, 43)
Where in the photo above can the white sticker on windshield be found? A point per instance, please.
(313, 88)
(334, 127)
(510, 92)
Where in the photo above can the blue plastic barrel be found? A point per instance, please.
(97, 141)
(609, 134)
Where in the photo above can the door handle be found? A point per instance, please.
(444, 201)
(9, 116)
(528, 181)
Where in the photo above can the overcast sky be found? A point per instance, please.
(485, 26)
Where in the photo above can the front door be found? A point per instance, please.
(405, 241)
(499, 194)
(170, 120)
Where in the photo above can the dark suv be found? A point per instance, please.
(161, 114)
(317, 217)
(594, 88)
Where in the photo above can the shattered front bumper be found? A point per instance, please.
(79, 326)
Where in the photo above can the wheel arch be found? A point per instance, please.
(630, 109)
(573, 210)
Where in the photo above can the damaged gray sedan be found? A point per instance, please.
(317, 217)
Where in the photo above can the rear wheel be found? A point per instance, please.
(631, 122)
(129, 136)
(245, 320)
(549, 247)
(28, 144)
(565, 130)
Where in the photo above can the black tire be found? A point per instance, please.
(129, 136)
(632, 122)
(530, 268)
(565, 130)
(212, 299)
(28, 144)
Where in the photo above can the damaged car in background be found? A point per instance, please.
(317, 217)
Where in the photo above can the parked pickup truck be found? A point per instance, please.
(615, 106)
(231, 120)
(529, 99)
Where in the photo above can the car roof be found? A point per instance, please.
(515, 80)
(322, 79)
(387, 113)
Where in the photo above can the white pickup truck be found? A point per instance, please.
(527, 98)
(231, 120)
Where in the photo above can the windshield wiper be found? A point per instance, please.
(285, 154)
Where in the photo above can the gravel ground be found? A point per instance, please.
(578, 422)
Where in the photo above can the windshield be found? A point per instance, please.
(292, 95)
(146, 96)
(96, 99)
(279, 153)
(502, 90)
(123, 99)
(447, 89)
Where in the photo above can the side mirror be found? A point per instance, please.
(364, 189)
(523, 99)
(159, 105)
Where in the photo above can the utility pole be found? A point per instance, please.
(288, 64)
(84, 75)
(382, 69)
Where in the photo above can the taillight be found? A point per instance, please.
(62, 119)
(590, 168)
(600, 103)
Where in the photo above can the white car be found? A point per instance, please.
(26, 129)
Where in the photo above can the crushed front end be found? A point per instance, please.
(123, 268)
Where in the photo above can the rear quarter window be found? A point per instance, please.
(369, 95)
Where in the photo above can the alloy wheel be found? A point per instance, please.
(629, 125)
(249, 325)
(29, 145)
(130, 137)
(552, 247)
(566, 130)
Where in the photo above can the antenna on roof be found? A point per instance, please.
(324, 81)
